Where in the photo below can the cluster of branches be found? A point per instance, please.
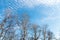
(14, 27)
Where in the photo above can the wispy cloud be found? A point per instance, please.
(33, 3)
(53, 19)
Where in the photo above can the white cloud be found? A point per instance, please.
(50, 19)
(49, 2)
(54, 24)
(32, 3)
(53, 20)
(53, 17)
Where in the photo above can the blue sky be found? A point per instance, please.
(40, 11)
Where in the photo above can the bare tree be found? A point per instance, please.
(24, 25)
(44, 32)
(36, 31)
(2, 25)
(7, 23)
(50, 35)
